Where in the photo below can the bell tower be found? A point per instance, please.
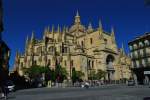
(77, 18)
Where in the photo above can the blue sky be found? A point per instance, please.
(130, 18)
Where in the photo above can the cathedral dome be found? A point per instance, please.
(77, 27)
(77, 24)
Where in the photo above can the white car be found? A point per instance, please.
(85, 85)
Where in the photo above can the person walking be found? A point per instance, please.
(3, 82)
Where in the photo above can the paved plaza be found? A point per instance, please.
(110, 92)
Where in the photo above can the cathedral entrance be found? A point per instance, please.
(110, 68)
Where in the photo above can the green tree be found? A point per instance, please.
(53, 75)
(92, 75)
(61, 73)
(33, 71)
(74, 76)
(100, 74)
(79, 75)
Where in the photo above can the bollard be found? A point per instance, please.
(49, 84)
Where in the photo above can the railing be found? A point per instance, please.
(92, 83)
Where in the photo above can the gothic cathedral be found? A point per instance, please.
(79, 47)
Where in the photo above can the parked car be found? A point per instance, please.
(131, 82)
(85, 85)
(10, 86)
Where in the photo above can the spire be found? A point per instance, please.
(60, 34)
(64, 29)
(48, 29)
(52, 29)
(90, 28)
(67, 30)
(113, 35)
(32, 37)
(27, 40)
(77, 18)
(64, 34)
(100, 25)
(112, 31)
(52, 32)
(58, 29)
(122, 46)
(123, 50)
(26, 45)
(17, 56)
(100, 29)
(77, 14)
(32, 41)
(45, 32)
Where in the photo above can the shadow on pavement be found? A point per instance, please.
(146, 98)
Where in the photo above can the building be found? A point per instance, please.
(83, 48)
(4, 57)
(4, 50)
(140, 55)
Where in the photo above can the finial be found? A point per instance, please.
(122, 46)
(67, 30)
(77, 14)
(90, 29)
(45, 31)
(113, 35)
(52, 28)
(48, 29)
(32, 37)
(100, 25)
(77, 18)
(64, 29)
(90, 25)
(27, 39)
(112, 31)
(58, 29)
(123, 50)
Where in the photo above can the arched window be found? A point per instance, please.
(35, 62)
(21, 64)
(51, 49)
(82, 43)
(65, 63)
(140, 44)
(146, 42)
(131, 55)
(65, 49)
(105, 41)
(141, 52)
(89, 64)
(135, 46)
(136, 54)
(49, 62)
(92, 64)
(91, 40)
(39, 49)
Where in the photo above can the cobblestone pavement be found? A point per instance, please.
(110, 92)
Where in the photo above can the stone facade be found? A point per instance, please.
(140, 55)
(77, 46)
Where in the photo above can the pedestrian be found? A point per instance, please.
(3, 81)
